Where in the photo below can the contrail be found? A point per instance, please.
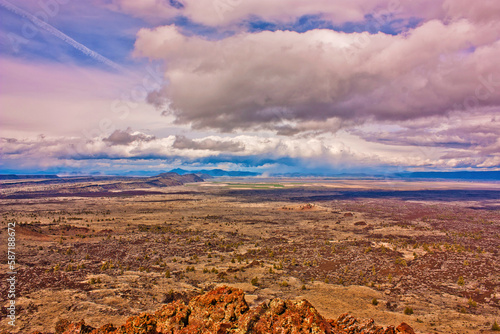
(80, 47)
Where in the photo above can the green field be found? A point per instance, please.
(255, 185)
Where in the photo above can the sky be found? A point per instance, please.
(128, 87)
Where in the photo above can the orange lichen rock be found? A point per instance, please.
(224, 311)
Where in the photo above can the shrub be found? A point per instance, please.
(278, 266)
(401, 261)
(461, 281)
(255, 281)
(374, 301)
(472, 303)
(284, 284)
(495, 327)
(408, 310)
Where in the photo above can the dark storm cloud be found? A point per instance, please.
(120, 137)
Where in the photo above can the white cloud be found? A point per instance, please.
(224, 12)
(292, 82)
(233, 12)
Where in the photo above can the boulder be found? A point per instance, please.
(224, 311)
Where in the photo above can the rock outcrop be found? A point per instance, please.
(107, 186)
(224, 310)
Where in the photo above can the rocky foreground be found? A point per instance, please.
(224, 310)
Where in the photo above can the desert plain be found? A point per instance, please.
(421, 252)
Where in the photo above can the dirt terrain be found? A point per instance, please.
(423, 253)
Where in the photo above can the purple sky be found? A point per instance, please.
(131, 87)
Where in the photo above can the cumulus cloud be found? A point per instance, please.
(233, 12)
(478, 148)
(301, 153)
(119, 137)
(181, 142)
(277, 80)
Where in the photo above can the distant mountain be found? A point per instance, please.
(179, 174)
(96, 186)
(19, 177)
(326, 175)
(182, 178)
(213, 172)
(459, 175)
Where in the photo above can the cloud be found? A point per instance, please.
(279, 80)
(423, 94)
(120, 137)
(464, 140)
(484, 11)
(477, 130)
(465, 137)
(452, 146)
(181, 142)
(72, 154)
(234, 12)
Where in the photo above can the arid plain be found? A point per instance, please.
(425, 252)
